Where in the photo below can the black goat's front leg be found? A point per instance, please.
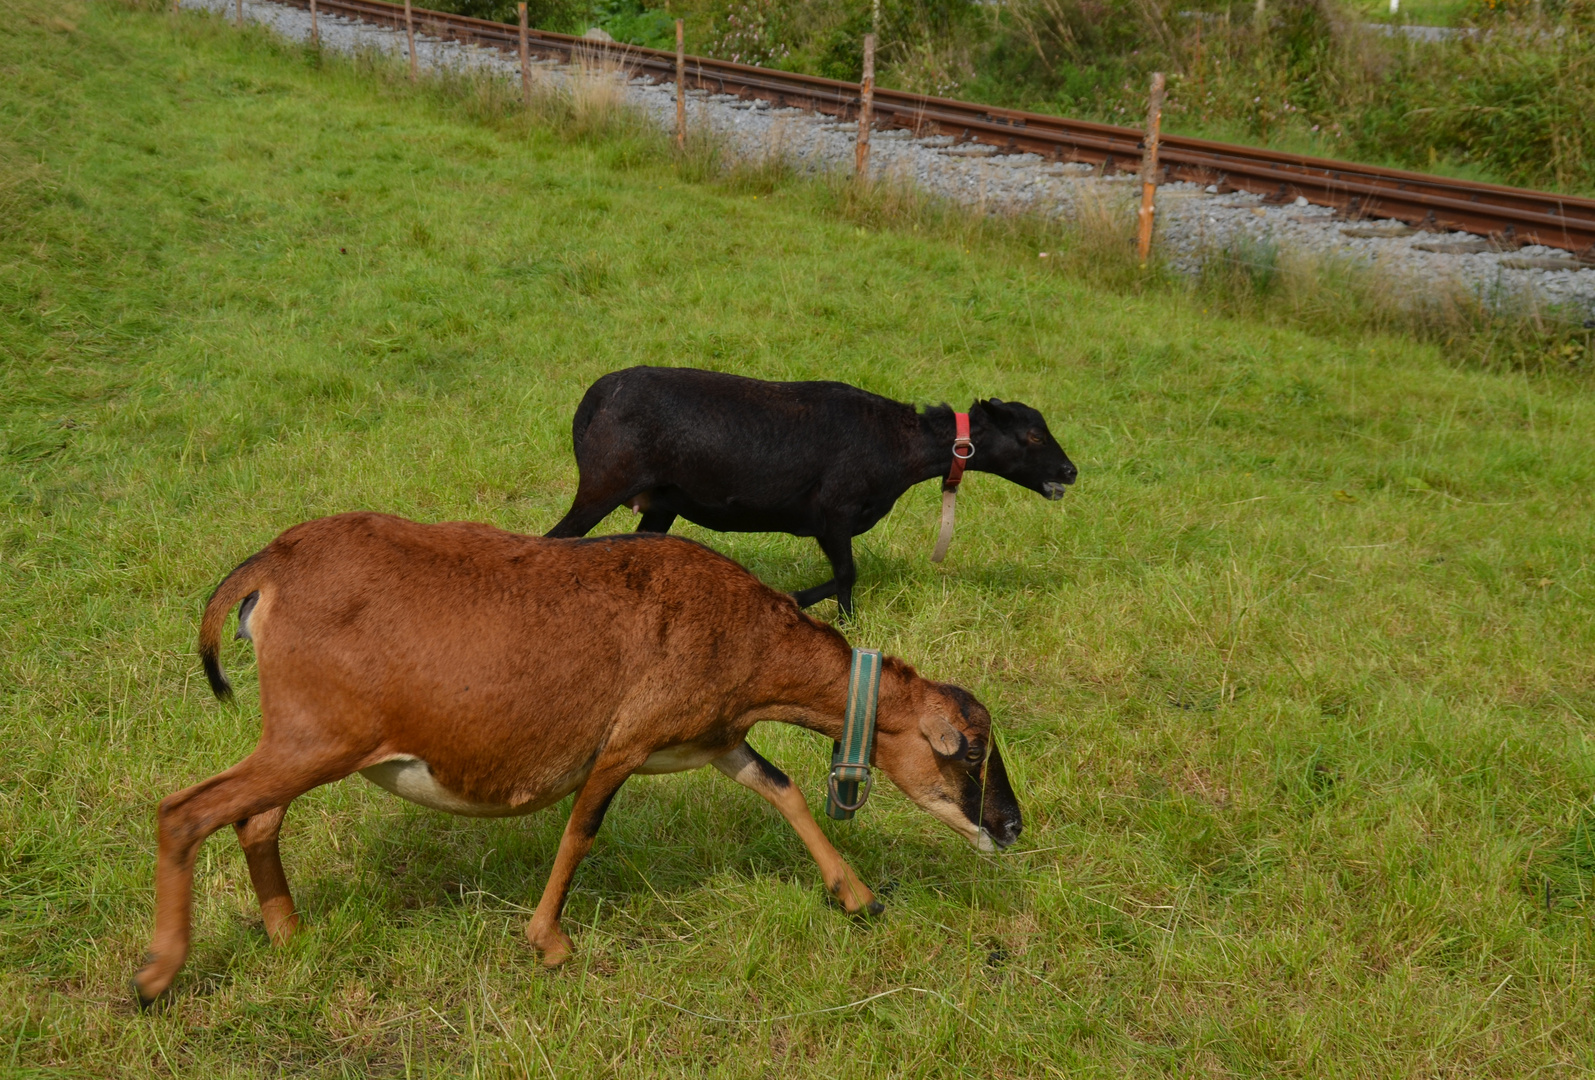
(838, 549)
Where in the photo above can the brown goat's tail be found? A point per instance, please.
(245, 579)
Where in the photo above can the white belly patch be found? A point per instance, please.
(411, 778)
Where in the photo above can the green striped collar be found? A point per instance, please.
(849, 782)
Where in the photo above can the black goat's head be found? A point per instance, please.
(1012, 441)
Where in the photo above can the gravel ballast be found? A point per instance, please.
(1192, 222)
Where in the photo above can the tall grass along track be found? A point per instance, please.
(1511, 215)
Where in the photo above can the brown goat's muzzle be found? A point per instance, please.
(1001, 820)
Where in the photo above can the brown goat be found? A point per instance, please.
(486, 673)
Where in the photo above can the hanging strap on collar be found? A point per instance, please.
(963, 450)
(850, 781)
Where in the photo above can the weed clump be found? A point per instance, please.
(1328, 293)
(1510, 93)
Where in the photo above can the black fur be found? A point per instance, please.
(1000, 813)
(775, 776)
(820, 459)
(596, 818)
(987, 797)
(214, 675)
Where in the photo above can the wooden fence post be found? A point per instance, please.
(681, 85)
(315, 31)
(238, 10)
(865, 109)
(409, 33)
(526, 69)
(1154, 126)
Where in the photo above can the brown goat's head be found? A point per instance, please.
(934, 741)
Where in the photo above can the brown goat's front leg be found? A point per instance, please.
(585, 817)
(748, 767)
(257, 835)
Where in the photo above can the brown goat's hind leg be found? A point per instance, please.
(255, 786)
(257, 835)
(748, 767)
(586, 815)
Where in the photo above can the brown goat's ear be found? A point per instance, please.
(945, 739)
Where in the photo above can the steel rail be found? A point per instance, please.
(1512, 216)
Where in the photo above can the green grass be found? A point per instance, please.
(1296, 685)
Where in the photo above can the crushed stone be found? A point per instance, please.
(1194, 223)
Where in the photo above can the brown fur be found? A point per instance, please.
(521, 669)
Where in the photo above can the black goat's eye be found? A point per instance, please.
(1034, 438)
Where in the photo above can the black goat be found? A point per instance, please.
(820, 459)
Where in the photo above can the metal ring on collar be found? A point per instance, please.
(868, 782)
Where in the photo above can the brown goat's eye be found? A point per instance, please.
(1034, 438)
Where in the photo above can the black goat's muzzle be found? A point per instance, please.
(1054, 490)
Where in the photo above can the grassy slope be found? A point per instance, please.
(1297, 683)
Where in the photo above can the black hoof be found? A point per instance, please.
(148, 1004)
(876, 907)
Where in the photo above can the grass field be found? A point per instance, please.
(1296, 685)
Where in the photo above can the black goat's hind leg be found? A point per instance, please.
(656, 521)
(814, 594)
(587, 511)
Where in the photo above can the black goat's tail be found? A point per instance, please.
(245, 579)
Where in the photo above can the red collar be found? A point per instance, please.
(963, 450)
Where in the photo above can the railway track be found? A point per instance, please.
(1510, 216)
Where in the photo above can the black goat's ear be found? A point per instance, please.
(1006, 413)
